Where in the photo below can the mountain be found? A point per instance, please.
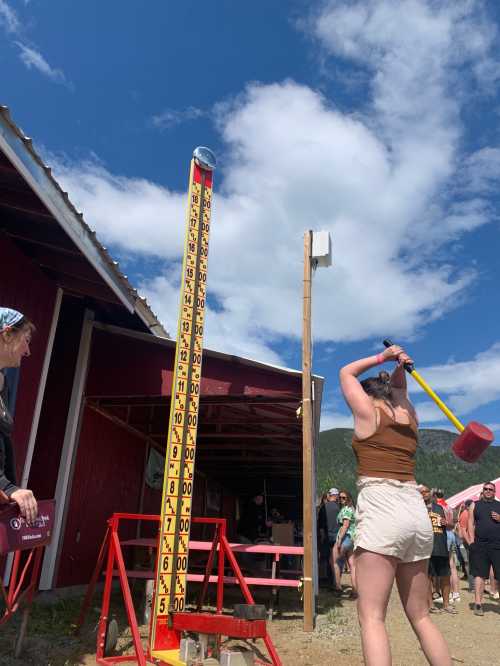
(436, 465)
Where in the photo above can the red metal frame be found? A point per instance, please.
(213, 623)
(14, 595)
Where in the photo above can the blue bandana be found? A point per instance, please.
(9, 317)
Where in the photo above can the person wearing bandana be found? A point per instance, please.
(15, 338)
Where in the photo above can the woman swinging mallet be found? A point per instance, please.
(394, 536)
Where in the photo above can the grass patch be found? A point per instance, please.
(335, 617)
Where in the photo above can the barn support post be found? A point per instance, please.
(71, 433)
(41, 389)
(36, 413)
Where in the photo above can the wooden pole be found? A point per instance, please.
(307, 441)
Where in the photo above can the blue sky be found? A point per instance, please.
(376, 120)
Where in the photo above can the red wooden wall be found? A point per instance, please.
(24, 287)
(127, 366)
(107, 478)
(109, 464)
(50, 437)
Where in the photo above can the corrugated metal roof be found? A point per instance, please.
(35, 171)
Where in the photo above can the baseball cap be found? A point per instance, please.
(333, 491)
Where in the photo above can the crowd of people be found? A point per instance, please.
(336, 531)
(452, 559)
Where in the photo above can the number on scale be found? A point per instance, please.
(179, 603)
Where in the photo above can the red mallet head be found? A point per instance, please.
(473, 441)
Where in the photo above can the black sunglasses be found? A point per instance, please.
(489, 488)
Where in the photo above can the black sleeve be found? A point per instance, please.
(7, 467)
(322, 524)
(7, 460)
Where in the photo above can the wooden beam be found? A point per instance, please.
(289, 425)
(251, 446)
(21, 203)
(83, 287)
(259, 421)
(307, 426)
(248, 435)
(270, 460)
(239, 435)
(205, 401)
(124, 425)
(30, 240)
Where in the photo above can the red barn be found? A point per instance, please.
(93, 400)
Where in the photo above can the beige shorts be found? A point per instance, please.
(392, 519)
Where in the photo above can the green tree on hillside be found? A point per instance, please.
(436, 465)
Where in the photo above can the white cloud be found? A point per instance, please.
(33, 59)
(494, 427)
(428, 412)
(466, 385)
(135, 215)
(379, 181)
(228, 331)
(481, 171)
(8, 18)
(172, 117)
(331, 420)
(335, 174)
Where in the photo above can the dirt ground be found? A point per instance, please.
(335, 641)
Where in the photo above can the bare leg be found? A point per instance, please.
(429, 594)
(493, 582)
(435, 586)
(478, 590)
(337, 575)
(444, 582)
(413, 586)
(374, 580)
(455, 586)
(352, 569)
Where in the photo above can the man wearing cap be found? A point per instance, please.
(329, 528)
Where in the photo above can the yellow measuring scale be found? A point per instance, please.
(175, 519)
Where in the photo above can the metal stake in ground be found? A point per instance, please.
(171, 571)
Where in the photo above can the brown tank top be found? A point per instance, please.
(390, 452)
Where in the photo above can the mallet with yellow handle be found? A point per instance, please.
(474, 438)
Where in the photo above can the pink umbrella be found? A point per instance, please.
(471, 493)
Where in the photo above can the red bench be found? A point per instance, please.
(275, 581)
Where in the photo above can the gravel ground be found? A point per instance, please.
(335, 641)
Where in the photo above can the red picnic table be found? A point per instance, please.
(275, 581)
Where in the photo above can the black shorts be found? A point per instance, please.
(482, 556)
(439, 566)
